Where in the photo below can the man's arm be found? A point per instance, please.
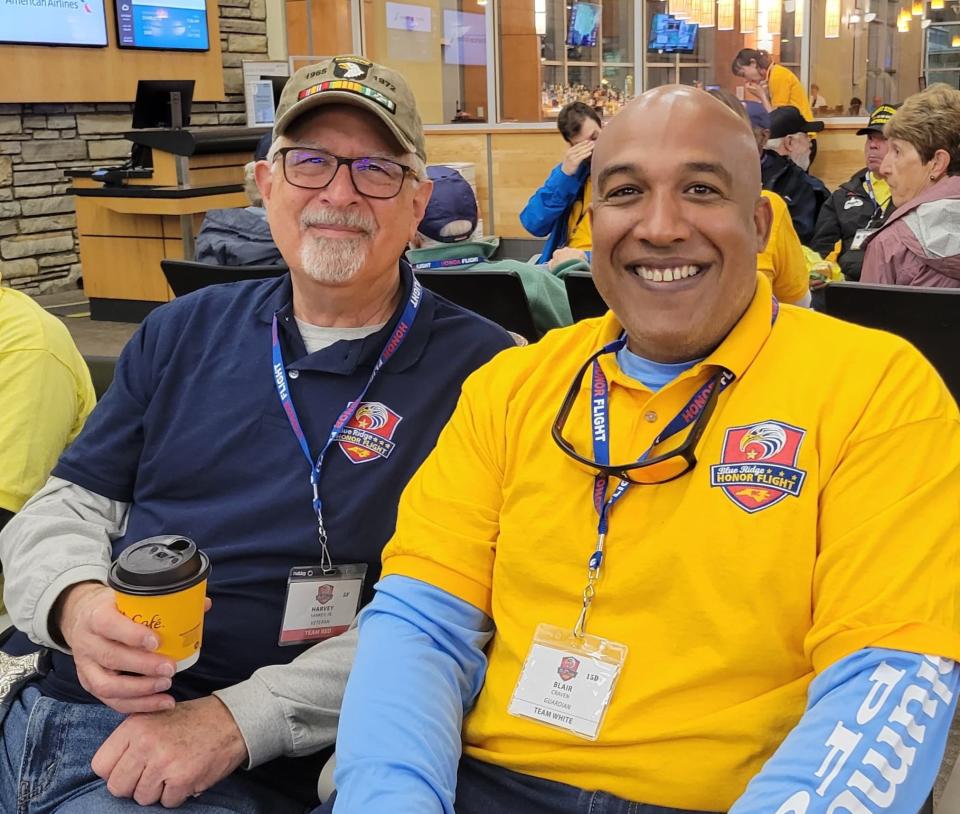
(550, 201)
(873, 734)
(395, 753)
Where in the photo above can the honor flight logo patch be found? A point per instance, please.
(758, 466)
(368, 434)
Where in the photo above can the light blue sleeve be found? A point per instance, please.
(419, 666)
(871, 739)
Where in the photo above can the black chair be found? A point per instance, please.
(101, 371)
(929, 318)
(187, 276)
(585, 301)
(497, 295)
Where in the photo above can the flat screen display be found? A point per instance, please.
(584, 25)
(672, 36)
(169, 25)
(465, 38)
(53, 22)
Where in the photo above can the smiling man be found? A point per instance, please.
(275, 423)
(674, 558)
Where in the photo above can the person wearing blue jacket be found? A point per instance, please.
(558, 210)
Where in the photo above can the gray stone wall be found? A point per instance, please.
(38, 236)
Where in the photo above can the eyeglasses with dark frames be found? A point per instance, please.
(372, 176)
(647, 470)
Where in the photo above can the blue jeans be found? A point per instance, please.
(486, 789)
(45, 753)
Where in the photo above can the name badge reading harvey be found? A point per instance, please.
(567, 682)
(320, 606)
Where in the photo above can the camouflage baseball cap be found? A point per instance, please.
(353, 80)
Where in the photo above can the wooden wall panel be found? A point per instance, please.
(465, 147)
(35, 73)
(521, 163)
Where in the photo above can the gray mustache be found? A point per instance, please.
(333, 217)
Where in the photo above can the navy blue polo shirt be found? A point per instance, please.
(192, 435)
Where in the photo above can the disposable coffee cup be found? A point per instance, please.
(161, 583)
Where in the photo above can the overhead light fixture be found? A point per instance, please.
(831, 20)
(854, 16)
(955, 42)
(708, 13)
(798, 19)
(748, 16)
(917, 8)
(936, 5)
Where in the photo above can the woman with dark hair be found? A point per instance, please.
(920, 243)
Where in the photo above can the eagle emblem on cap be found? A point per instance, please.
(348, 69)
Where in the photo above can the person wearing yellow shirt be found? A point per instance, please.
(673, 559)
(45, 392)
(773, 85)
(782, 260)
(860, 206)
(45, 396)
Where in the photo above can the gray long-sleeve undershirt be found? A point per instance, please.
(63, 536)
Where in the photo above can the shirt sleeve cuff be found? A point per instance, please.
(40, 627)
(260, 718)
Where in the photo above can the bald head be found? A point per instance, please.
(677, 114)
(678, 220)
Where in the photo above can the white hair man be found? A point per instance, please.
(275, 423)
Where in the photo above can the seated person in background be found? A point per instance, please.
(858, 208)
(919, 244)
(781, 260)
(218, 400)
(856, 104)
(690, 629)
(45, 396)
(784, 163)
(817, 100)
(240, 237)
(443, 241)
(559, 209)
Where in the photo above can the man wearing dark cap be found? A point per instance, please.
(273, 422)
(784, 161)
(860, 206)
(240, 236)
(444, 241)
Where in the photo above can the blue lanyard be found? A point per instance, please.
(600, 419)
(286, 401)
(446, 264)
(600, 429)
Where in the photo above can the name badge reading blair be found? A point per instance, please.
(568, 682)
(320, 606)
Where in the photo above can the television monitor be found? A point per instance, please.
(266, 97)
(584, 25)
(152, 107)
(672, 36)
(170, 25)
(78, 22)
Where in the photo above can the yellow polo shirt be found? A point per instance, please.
(730, 595)
(782, 261)
(45, 395)
(785, 89)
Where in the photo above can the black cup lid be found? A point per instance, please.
(158, 562)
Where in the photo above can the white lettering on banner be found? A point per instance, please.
(879, 773)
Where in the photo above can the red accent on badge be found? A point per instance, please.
(368, 435)
(568, 668)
